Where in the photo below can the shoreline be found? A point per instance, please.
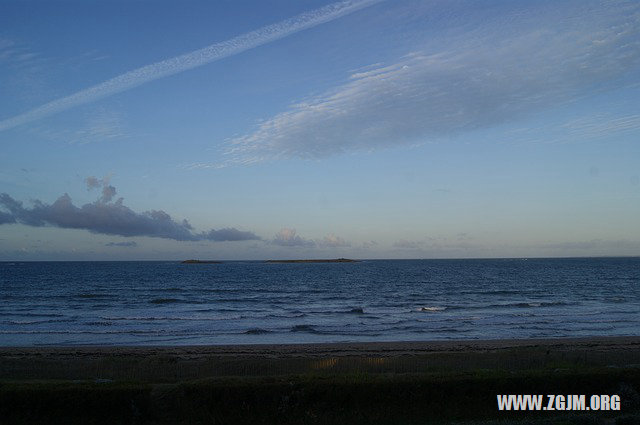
(352, 347)
(173, 260)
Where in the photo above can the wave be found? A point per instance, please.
(164, 300)
(435, 309)
(89, 295)
(510, 305)
(567, 329)
(79, 332)
(257, 331)
(449, 330)
(286, 316)
(238, 310)
(35, 322)
(497, 292)
(98, 323)
(225, 310)
(248, 300)
(162, 332)
(166, 318)
(542, 304)
(421, 330)
(31, 314)
(432, 309)
(175, 301)
(616, 300)
(355, 310)
(304, 328)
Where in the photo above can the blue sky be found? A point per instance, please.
(304, 129)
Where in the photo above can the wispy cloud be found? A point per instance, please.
(438, 245)
(191, 60)
(110, 218)
(584, 128)
(369, 244)
(108, 191)
(405, 244)
(100, 126)
(595, 246)
(92, 126)
(333, 241)
(504, 70)
(289, 237)
(602, 125)
(30, 70)
(16, 55)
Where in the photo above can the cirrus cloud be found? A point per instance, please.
(508, 68)
(187, 61)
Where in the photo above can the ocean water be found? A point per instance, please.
(168, 303)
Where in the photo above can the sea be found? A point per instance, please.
(254, 302)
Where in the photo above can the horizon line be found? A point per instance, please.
(357, 259)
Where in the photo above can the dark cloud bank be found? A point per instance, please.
(109, 217)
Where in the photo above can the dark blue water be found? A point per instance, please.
(254, 302)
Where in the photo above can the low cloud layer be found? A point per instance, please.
(122, 244)
(290, 237)
(405, 244)
(596, 245)
(228, 234)
(508, 68)
(108, 217)
(6, 218)
(333, 241)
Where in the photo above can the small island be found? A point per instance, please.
(335, 260)
(201, 262)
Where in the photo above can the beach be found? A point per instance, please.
(380, 382)
(167, 364)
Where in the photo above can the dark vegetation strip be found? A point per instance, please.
(319, 399)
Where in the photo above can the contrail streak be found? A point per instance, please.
(191, 60)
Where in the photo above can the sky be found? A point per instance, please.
(249, 130)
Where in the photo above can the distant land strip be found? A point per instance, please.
(330, 260)
(201, 262)
(335, 260)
